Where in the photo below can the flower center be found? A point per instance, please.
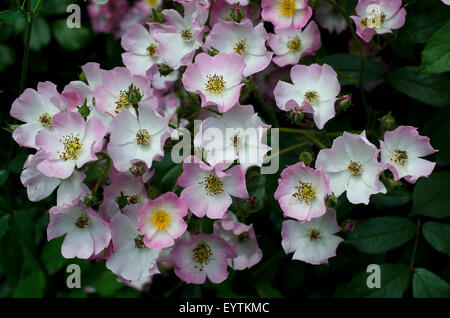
(237, 140)
(241, 47)
(354, 168)
(399, 157)
(122, 102)
(305, 192)
(202, 255)
(152, 2)
(243, 237)
(294, 44)
(151, 50)
(46, 120)
(133, 199)
(161, 220)
(83, 221)
(215, 84)
(287, 7)
(314, 235)
(139, 241)
(311, 97)
(213, 185)
(186, 35)
(375, 19)
(143, 137)
(72, 147)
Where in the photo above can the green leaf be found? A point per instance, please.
(436, 55)
(40, 36)
(51, 256)
(33, 286)
(4, 225)
(52, 7)
(392, 199)
(381, 234)
(71, 39)
(266, 290)
(428, 285)
(347, 66)
(430, 196)
(11, 15)
(438, 235)
(394, 281)
(8, 57)
(429, 89)
(3, 176)
(11, 257)
(16, 165)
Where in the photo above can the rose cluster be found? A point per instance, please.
(119, 122)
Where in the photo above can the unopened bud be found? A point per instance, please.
(306, 157)
(237, 13)
(164, 69)
(348, 225)
(332, 201)
(344, 103)
(138, 168)
(90, 200)
(387, 121)
(296, 116)
(156, 16)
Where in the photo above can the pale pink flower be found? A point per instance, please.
(87, 234)
(330, 18)
(106, 18)
(314, 90)
(137, 139)
(284, 13)
(352, 165)
(243, 238)
(207, 189)
(401, 152)
(291, 44)
(312, 242)
(202, 256)
(36, 109)
(130, 259)
(378, 17)
(161, 220)
(244, 39)
(73, 143)
(302, 192)
(217, 79)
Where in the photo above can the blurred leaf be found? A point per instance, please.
(394, 278)
(347, 66)
(381, 234)
(3, 176)
(427, 88)
(52, 7)
(169, 179)
(11, 257)
(16, 165)
(428, 285)
(430, 196)
(4, 224)
(51, 256)
(436, 55)
(101, 279)
(266, 271)
(266, 290)
(40, 36)
(71, 39)
(33, 286)
(8, 57)
(11, 15)
(24, 225)
(438, 235)
(394, 198)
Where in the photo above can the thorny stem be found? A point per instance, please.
(416, 242)
(362, 60)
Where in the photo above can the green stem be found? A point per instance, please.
(285, 150)
(416, 243)
(362, 60)
(26, 53)
(209, 14)
(105, 171)
(307, 134)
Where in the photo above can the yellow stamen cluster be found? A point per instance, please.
(294, 44)
(133, 199)
(314, 235)
(143, 137)
(161, 220)
(286, 7)
(186, 35)
(122, 102)
(215, 84)
(72, 147)
(311, 97)
(375, 19)
(151, 50)
(152, 3)
(355, 168)
(241, 47)
(202, 255)
(83, 221)
(305, 192)
(399, 157)
(139, 241)
(213, 185)
(45, 120)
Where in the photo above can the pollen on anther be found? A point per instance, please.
(213, 185)
(286, 7)
(215, 84)
(45, 120)
(311, 97)
(314, 235)
(151, 50)
(72, 147)
(305, 192)
(82, 221)
(143, 137)
(399, 157)
(240, 47)
(354, 168)
(294, 44)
